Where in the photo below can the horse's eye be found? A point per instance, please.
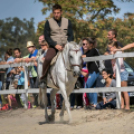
(71, 56)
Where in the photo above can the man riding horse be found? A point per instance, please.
(57, 31)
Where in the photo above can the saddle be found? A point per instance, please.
(54, 59)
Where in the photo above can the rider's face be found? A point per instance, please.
(57, 14)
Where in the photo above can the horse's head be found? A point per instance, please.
(75, 58)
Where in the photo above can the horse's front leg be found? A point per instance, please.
(63, 105)
(67, 104)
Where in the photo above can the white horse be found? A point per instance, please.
(62, 76)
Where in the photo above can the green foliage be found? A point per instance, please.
(15, 33)
(91, 18)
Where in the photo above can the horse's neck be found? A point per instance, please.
(65, 57)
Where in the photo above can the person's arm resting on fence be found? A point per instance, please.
(125, 47)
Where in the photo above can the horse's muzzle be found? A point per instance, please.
(76, 73)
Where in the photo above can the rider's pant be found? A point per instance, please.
(51, 53)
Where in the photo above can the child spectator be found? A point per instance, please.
(108, 98)
(9, 59)
(21, 78)
(11, 97)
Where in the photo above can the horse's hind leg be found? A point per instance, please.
(44, 102)
(52, 98)
(62, 111)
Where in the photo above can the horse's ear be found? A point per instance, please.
(80, 43)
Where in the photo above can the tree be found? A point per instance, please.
(15, 33)
(81, 13)
(91, 18)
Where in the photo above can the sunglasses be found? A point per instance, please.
(84, 44)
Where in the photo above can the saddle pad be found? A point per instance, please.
(54, 59)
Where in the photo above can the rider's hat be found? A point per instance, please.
(30, 44)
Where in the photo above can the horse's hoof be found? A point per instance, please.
(44, 122)
(51, 118)
(70, 122)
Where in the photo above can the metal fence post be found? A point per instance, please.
(26, 87)
(118, 84)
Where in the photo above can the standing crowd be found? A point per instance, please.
(58, 28)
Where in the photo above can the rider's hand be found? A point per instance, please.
(104, 100)
(59, 47)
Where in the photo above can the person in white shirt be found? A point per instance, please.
(124, 77)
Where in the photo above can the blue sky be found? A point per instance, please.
(32, 8)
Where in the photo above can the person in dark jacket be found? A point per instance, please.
(57, 31)
(92, 69)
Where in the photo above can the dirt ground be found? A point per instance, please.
(23, 121)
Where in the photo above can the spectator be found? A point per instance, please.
(124, 77)
(32, 69)
(44, 47)
(41, 38)
(83, 76)
(11, 97)
(92, 69)
(9, 59)
(108, 63)
(112, 34)
(21, 79)
(108, 98)
(17, 55)
(72, 100)
(80, 81)
(0, 95)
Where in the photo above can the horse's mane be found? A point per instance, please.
(73, 44)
